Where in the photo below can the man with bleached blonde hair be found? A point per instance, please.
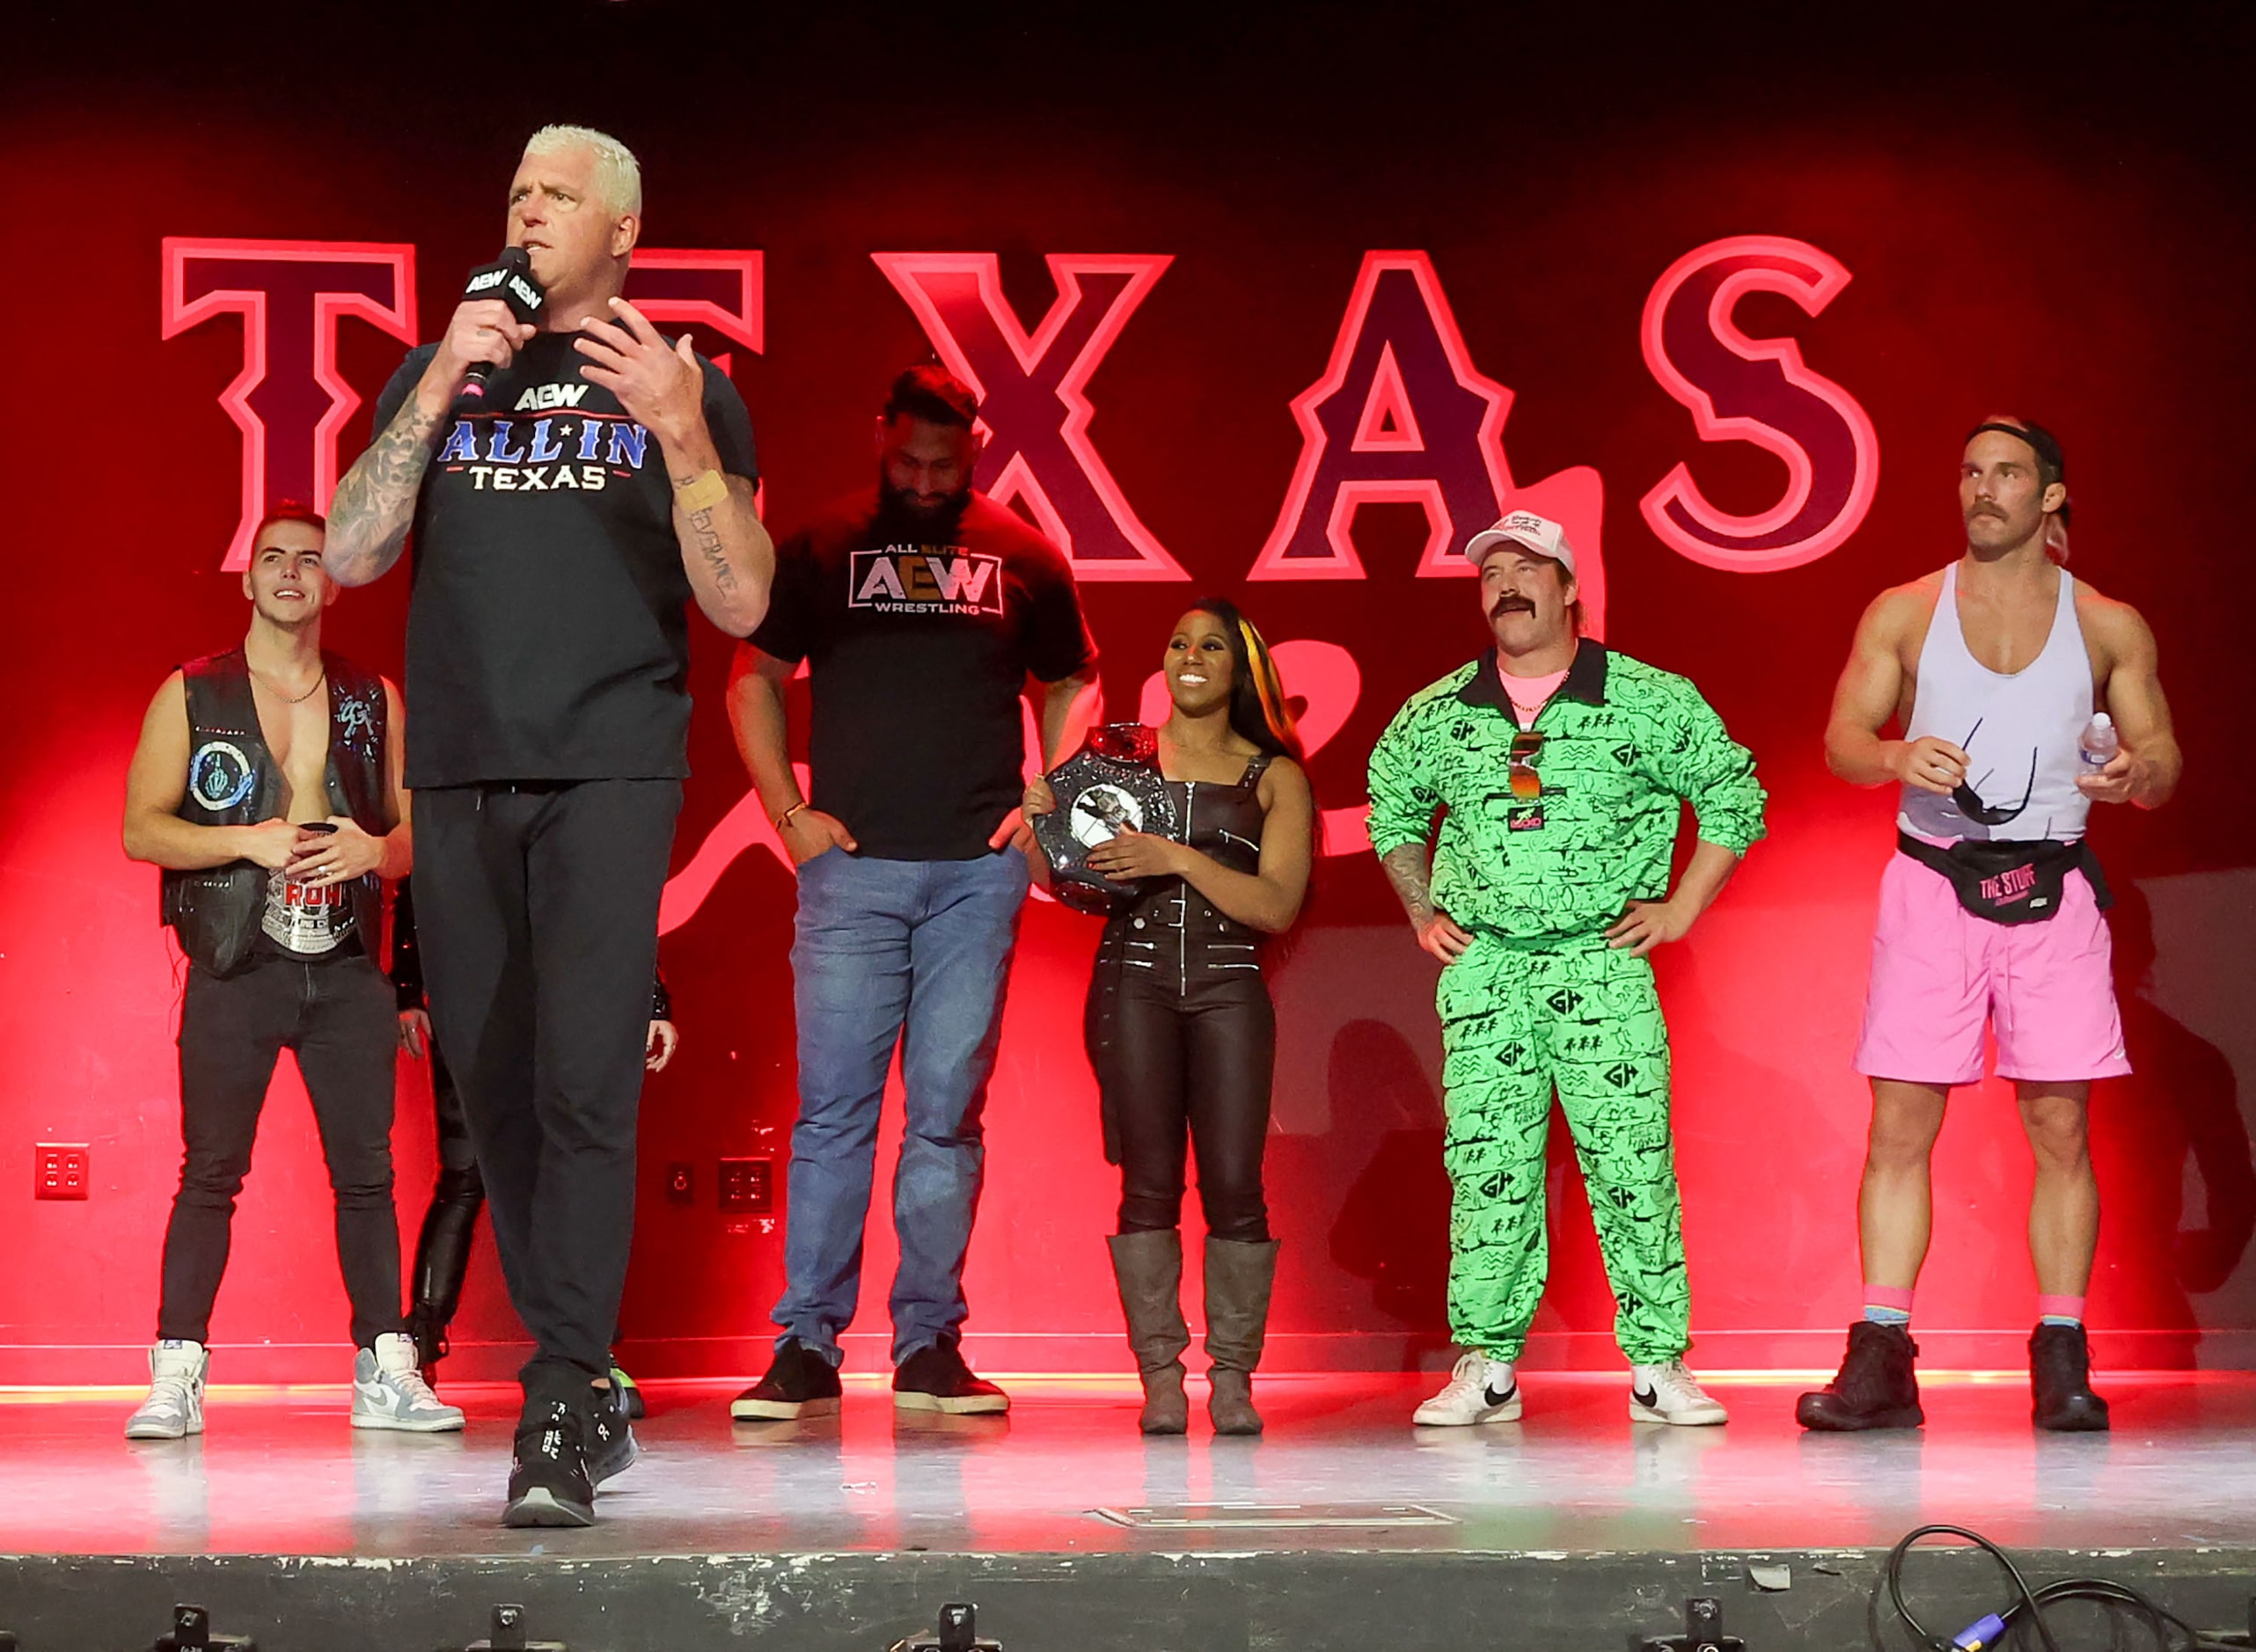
(564, 516)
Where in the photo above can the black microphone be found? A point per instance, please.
(510, 279)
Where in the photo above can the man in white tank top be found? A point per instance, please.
(1990, 917)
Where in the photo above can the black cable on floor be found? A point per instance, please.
(2025, 1615)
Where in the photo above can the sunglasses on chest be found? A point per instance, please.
(1969, 801)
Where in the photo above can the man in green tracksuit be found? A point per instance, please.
(1561, 769)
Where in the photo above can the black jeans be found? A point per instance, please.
(1200, 1062)
(337, 1016)
(537, 906)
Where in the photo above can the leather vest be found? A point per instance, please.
(233, 780)
(1172, 932)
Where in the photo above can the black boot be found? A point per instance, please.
(1876, 1387)
(441, 1260)
(2059, 1381)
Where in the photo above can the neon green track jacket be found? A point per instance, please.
(1624, 742)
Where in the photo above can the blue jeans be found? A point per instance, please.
(912, 953)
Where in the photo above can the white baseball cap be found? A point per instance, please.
(1529, 532)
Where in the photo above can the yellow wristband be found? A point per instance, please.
(708, 489)
(784, 819)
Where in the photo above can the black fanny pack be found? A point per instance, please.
(2009, 882)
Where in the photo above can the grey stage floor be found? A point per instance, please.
(279, 1472)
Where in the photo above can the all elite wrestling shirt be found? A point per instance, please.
(919, 640)
(548, 636)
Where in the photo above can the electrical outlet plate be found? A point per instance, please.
(747, 1185)
(59, 1169)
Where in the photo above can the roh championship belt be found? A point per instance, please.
(1112, 785)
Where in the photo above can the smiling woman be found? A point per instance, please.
(1180, 1027)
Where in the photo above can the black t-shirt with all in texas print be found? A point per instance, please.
(919, 639)
(548, 636)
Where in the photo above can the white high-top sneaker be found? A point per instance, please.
(1665, 1393)
(174, 1409)
(389, 1392)
(1479, 1390)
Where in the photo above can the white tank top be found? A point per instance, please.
(2020, 730)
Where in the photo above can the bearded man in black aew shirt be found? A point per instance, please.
(923, 611)
(560, 526)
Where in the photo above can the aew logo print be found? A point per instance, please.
(529, 297)
(541, 397)
(907, 580)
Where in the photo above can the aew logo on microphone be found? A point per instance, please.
(926, 579)
(524, 296)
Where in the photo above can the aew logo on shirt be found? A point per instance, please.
(544, 397)
(925, 579)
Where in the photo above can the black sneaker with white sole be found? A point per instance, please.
(548, 1471)
(935, 1378)
(800, 1383)
(609, 1438)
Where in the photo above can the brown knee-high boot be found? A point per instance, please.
(1149, 1268)
(1238, 1279)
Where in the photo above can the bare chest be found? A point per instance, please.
(297, 736)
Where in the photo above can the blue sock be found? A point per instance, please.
(1887, 1316)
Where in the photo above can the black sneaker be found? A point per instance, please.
(1877, 1388)
(611, 1447)
(800, 1383)
(935, 1378)
(2059, 1381)
(548, 1473)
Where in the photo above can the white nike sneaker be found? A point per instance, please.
(1479, 1390)
(174, 1409)
(389, 1392)
(1665, 1393)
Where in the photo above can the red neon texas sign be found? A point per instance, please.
(1403, 416)
(289, 401)
(1032, 387)
(1759, 390)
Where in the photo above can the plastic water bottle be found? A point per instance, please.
(2099, 741)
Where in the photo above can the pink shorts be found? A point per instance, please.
(1939, 972)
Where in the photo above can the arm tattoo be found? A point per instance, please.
(715, 554)
(374, 503)
(1406, 870)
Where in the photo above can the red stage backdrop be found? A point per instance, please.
(1282, 324)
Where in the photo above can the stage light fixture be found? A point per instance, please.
(1703, 1631)
(191, 1633)
(958, 1631)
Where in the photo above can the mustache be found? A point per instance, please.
(1510, 603)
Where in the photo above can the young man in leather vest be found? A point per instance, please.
(266, 787)
(1990, 914)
